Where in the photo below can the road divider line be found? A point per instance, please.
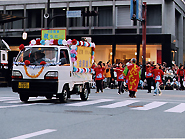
(177, 109)
(89, 102)
(26, 136)
(119, 104)
(150, 106)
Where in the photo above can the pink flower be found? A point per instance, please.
(69, 41)
(51, 41)
(73, 59)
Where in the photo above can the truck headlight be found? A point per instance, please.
(51, 75)
(16, 74)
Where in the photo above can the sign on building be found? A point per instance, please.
(47, 34)
(139, 4)
(70, 14)
(136, 9)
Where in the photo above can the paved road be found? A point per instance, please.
(104, 116)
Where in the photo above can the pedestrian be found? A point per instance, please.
(149, 76)
(107, 74)
(133, 72)
(99, 70)
(120, 77)
(158, 79)
(180, 75)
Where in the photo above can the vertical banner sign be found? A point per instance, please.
(139, 4)
(84, 57)
(131, 9)
(47, 34)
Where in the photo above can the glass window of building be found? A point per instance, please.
(60, 17)
(34, 18)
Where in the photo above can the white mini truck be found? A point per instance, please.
(53, 70)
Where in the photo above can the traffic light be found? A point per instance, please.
(90, 13)
(93, 13)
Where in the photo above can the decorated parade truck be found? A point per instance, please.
(53, 68)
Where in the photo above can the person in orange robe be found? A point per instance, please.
(133, 72)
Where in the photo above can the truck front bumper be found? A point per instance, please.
(35, 87)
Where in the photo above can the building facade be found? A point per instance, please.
(117, 38)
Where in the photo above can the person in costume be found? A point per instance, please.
(158, 79)
(133, 72)
(99, 70)
(180, 75)
(149, 76)
(120, 77)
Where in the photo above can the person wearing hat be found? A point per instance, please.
(99, 70)
(133, 72)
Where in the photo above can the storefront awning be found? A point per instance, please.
(5, 18)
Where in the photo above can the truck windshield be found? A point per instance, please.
(37, 54)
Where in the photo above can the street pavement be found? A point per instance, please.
(104, 115)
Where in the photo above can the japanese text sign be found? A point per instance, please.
(53, 34)
(84, 57)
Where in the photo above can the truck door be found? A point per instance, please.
(66, 67)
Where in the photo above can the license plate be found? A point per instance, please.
(23, 85)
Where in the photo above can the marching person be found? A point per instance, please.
(134, 74)
(120, 77)
(158, 79)
(180, 75)
(99, 70)
(149, 76)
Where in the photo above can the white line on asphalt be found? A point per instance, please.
(151, 105)
(13, 106)
(178, 109)
(34, 134)
(89, 102)
(7, 98)
(119, 104)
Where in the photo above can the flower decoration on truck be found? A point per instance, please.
(21, 47)
(33, 76)
(73, 46)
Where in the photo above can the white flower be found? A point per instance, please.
(33, 42)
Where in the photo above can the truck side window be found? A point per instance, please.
(64, 57)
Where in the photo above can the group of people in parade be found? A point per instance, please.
(128, 77)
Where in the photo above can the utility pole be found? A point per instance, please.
(48, 11)
(144, 11)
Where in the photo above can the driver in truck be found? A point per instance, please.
(39, 56)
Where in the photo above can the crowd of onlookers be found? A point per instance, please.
(170, 79)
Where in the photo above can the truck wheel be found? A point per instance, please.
(23, 98)
(63, 97)
(49, 96)
(85, 94)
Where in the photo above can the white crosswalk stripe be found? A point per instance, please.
(177, 109)
(150, 106)
(7, 98)
(119, 104)
(13, 102)
(89, 102)
(13, 106)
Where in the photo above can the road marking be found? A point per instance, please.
(119, 104)
(34, 134)
(89, 102)
(178, 109)
(7, 98)
(150, 106)
(13, 106)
